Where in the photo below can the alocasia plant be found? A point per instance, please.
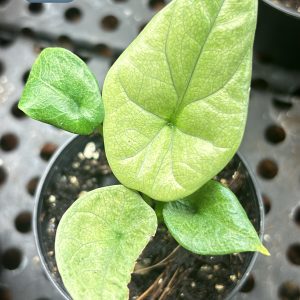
(175, 107)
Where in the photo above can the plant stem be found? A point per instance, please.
(159, 264)
(150, 288)
(169, 286)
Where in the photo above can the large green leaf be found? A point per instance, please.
(98, 241)
(176, 100)
(63, 92)
(212, 222)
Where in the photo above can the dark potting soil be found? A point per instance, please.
(164, 270)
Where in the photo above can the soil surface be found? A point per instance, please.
(164, 270)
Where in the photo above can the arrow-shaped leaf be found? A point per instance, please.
(176, 100)
(212, 222)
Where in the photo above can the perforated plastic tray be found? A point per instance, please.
(271, 143)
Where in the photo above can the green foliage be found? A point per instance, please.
(175, 111)
(212, 222)
(176, 100)
(98, 241)
(63, 92)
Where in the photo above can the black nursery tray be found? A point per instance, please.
(98, 31)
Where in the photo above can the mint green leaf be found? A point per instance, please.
(176, 100)
(63, 92)
(212, 222)
(98, 241)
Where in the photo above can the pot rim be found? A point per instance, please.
(37, 205)
(281, 8)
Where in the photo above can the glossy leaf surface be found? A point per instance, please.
(176, 100)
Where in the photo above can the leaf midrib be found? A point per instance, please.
(173, 117)
(59, 92)
(108, 262)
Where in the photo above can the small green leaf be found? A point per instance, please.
(98, 241)
(176, 100)
(212, 222)
(63, 92)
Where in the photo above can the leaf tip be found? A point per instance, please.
(263, 250)
(22, 105)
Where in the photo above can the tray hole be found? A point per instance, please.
(296, 94)
(259, 84)
(6, 39)
(289, 291)
(25, 76)
(27, 32)
(16, 112)
(65, 42)
(110, 23)
(38, 48)
(47, 151)
(297, 216)
(36, 8)
(3, 2)
(43, 298)
(293, 254)
(73, 14)
(120, 1)
(267, 169)
(157, 4)
(103, 50)
(267, 203)
(11, 259)
(23, 222)
(116, 55)
(32, 185)
(142, 27)
(86, 59)
(9, 142)
(282, 105)
(3, 175)
(1, 68)
(275, 134)
(5, 293)
(249, 284)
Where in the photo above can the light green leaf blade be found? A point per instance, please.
(62, 91)
(98, 241)
(212, 222)
(176, 100)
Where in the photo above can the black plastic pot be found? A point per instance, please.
(287, 10)
(277, 36)
(45, 223)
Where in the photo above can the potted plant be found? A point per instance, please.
(174, 110)
(81, 166)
